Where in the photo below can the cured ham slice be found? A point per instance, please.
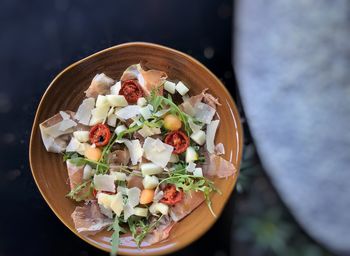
(54, 131)
(89, 220)
(119, 157)
(190, 202)
(135, 181)
(161, 232)
(148, 80)
(211, 100)
(76, 178)
(75, 174)
(218, 166)
(190, 103)
(100, 85)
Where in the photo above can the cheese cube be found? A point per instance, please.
(181, 88)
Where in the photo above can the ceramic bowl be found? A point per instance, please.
(66, 93)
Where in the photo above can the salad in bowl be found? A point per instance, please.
(140, 153)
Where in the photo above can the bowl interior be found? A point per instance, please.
(66, 93)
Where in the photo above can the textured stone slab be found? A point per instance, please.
(292, 59)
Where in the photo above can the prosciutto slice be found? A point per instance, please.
(148, 80)
(217, 166)
(119, 157)
(89, 220)
(55, 138)
(211, 100)
(161, 232)
(190, 202)
(75, 174)
(100, 84)
(205, 97)
(135, 181)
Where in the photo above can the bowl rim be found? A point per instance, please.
(161, 47)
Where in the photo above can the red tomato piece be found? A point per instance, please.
(94, 193)
(178, 140)
(131, 90)
(100, 135)
(171, 195)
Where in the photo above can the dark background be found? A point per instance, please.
(40, 38)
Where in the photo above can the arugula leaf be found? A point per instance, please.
(160, 101)
(156, 123)
(140, 228)
(115, 236)
(188, 182)
(154, 100)
(75, 193)
(69, 155)
(79, 161)
(129, 131)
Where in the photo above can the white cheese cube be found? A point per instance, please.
(117, 100)
(101, 101)
(150, 169)
(198, 172)
(159, 208)
(119, 129)
(181, 88)
(119, 176)
(169, 86)
(191, 155)
(150, 182)
(81, 136)
(141, 102)
(88, 172)
(198, 137)
(191, 167)
(139, 211)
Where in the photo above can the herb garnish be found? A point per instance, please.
(140, 228)
(160, 101)
(75, 192)
(188, 182)
(115, 236)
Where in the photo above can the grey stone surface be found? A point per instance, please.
(292, 60)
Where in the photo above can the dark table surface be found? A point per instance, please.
(40, 38)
